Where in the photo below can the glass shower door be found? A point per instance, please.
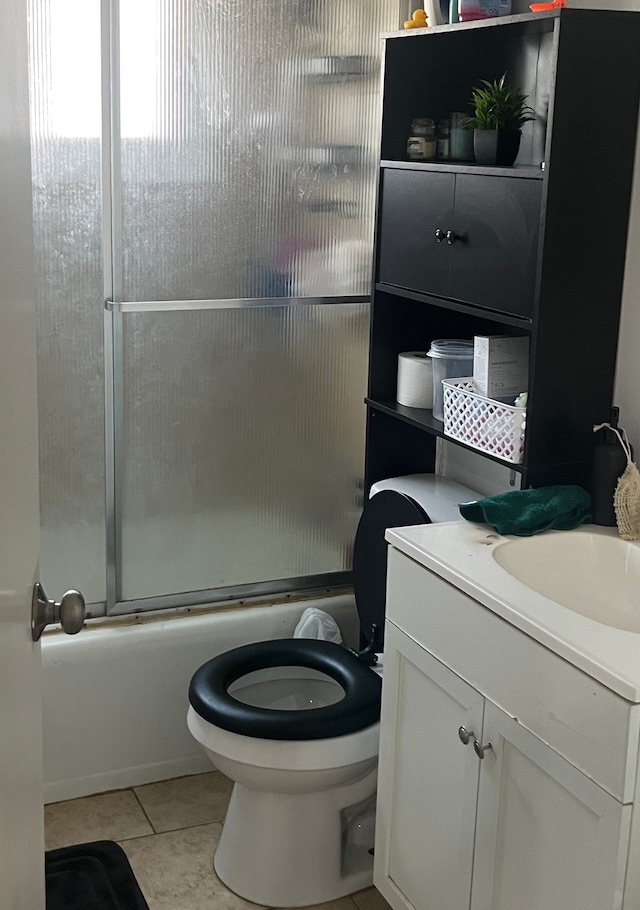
(246, 216)
(218, 191)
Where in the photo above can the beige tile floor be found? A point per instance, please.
(169, 831)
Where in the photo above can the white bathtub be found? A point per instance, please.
(115, 695)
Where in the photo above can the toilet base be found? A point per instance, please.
(285, 850)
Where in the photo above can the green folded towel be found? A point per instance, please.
(528, 512)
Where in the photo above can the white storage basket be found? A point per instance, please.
(482, 423)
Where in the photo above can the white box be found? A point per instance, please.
(500, 365)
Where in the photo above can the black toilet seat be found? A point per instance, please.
(387, 509)
(359, 708)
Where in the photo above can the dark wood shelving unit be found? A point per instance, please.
(538, 249)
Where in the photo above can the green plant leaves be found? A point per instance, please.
(499, 106)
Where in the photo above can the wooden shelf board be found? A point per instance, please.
(502, 318)
(423, 419)
(528, 172)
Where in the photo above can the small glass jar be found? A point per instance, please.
(442, 140)
(421, 144)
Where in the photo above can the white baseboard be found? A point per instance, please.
(123, 778)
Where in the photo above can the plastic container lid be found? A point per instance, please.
(451, 347)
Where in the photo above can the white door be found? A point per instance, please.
(21, 812)
(547, 837)
(428, 780)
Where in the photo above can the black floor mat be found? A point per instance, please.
(93, 876)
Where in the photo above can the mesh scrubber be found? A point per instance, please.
(626, 499)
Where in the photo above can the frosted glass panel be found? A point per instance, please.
(244, 166)
(249, 146)
(65, 103)
(243, 445)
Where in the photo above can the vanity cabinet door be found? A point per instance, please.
(414, 205)
(494, 255)
(547, 837)
(428, 781)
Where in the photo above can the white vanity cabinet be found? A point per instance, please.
(543, 821)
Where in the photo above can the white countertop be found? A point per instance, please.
(461, 553)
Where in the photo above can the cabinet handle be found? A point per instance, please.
(480, 750)
(451, 237)
(465, 735)
(439, 235)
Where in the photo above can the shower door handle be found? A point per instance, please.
(70, 612)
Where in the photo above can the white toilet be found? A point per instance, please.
(295, 722)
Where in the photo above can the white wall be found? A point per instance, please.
(627, 391)
(115, 696)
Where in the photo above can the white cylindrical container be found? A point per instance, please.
(434, 13)
(452, 359)
(415, 380)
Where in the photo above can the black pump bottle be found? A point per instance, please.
(609, 462)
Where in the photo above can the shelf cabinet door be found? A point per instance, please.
(493, 259)
(414, 204)
(428, 781)
(547, 837)
(494, 223)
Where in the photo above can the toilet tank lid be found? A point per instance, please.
(438, 496)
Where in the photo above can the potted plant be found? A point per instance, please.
(500, 111)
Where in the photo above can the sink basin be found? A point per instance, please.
(591, 572)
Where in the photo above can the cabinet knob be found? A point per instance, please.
(439, 235)
(451, 237)
(465, 735)
(480, 750)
